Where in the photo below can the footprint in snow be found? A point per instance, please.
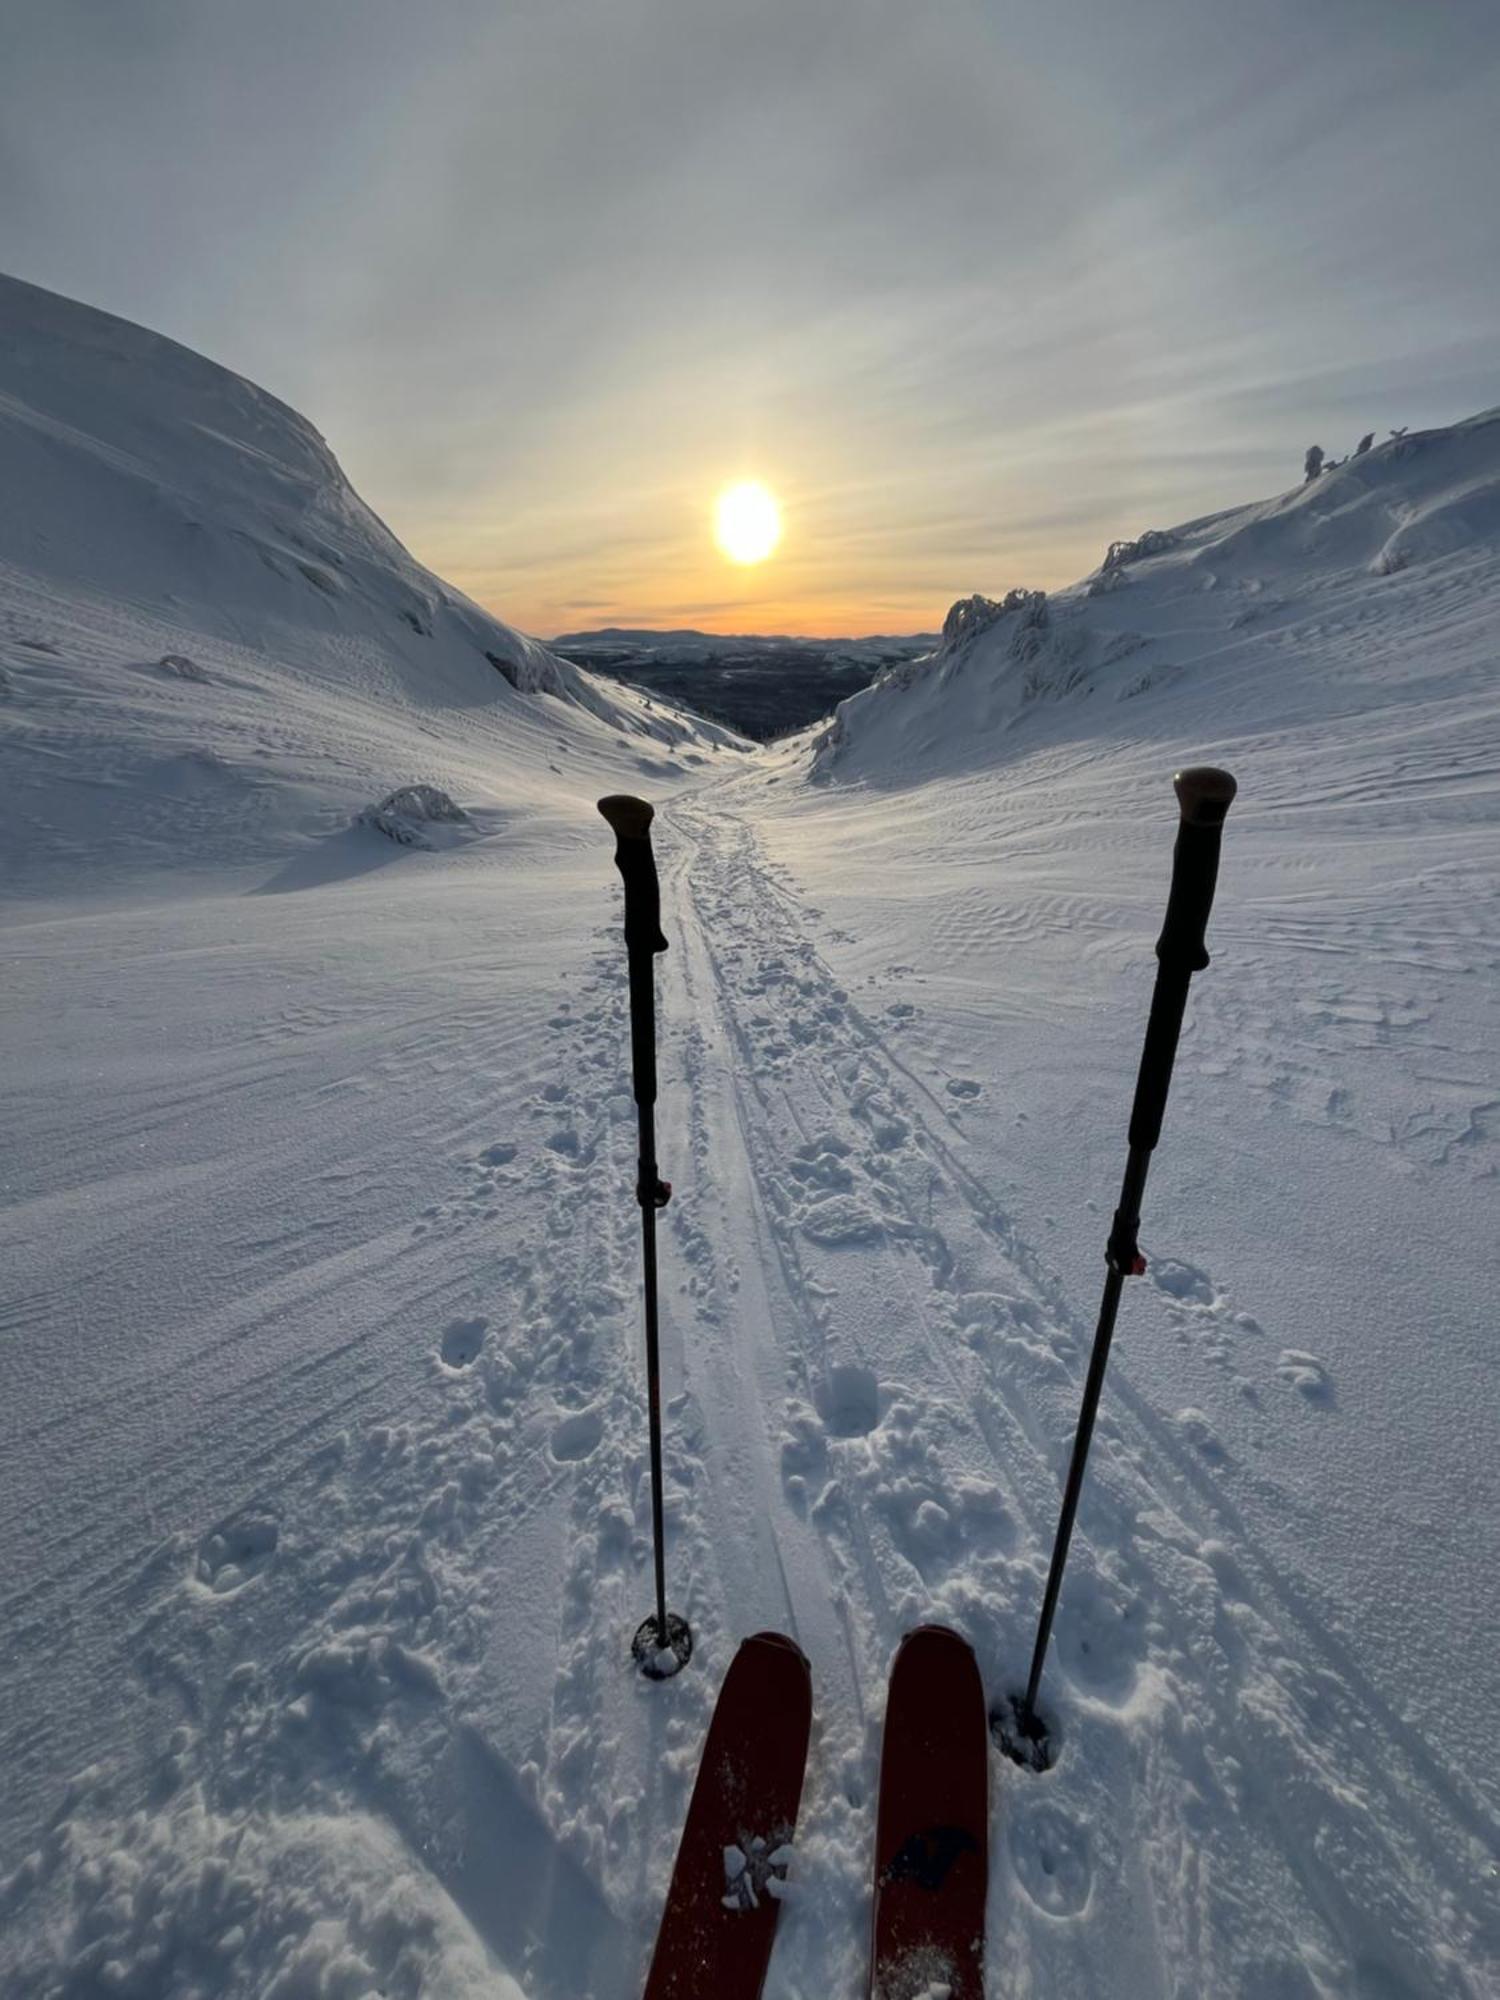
(462, 1340)
(1182, 1281)
(962, 1087)
(1050, 1854)
(1100, 1642)
(1306, 1373)
(237, 1551)
(1200, 1433)
(849, 1400)
(888, 1128)
(841, 1221)
(820, 1163)
(923, 1529)
(578, 1435)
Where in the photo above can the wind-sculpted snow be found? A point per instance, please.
(418, 816)
(1223, 596)
(995, 658)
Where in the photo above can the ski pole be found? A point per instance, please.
(1204, 794)
(664, 1643)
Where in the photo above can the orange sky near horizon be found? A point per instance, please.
(829, 578)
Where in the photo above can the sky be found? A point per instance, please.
(974, 286)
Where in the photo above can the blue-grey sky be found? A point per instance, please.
(973, 285)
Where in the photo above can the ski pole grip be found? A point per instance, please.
(1204, 794)
(631, 820)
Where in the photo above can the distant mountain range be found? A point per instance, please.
(765, 685)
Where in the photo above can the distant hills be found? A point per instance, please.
(764, 685)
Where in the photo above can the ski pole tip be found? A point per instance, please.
(630, 818)
(1204, 793)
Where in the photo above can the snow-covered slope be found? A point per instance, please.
(213, 651)
(1385, 543)
(323, 1492)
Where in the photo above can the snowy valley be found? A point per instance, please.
(325, 1494)
(764, 687)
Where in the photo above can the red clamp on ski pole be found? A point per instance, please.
(1123, 1253)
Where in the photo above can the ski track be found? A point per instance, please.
(340, 1642)
(898, 1267)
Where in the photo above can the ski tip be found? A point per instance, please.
(631, 818)
(778, 1639)
(938, 1654)
(1204, 793)
(936, 1637)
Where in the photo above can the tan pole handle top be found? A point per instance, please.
(630, 818)
(1204, 793)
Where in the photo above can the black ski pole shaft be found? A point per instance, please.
(1204, 795)
(662, 1635)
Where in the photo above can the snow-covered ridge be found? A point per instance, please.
(1421, 509)
(156, 507)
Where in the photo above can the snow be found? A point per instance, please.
(761, 1872)
(214, 653)
(325, 1500)
(418, 816)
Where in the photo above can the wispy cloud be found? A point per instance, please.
(973, 289)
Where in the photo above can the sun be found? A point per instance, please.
(747, 521)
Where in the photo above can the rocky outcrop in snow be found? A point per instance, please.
(971, 616)
(1154, 542)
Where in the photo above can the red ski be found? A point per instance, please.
(720, 1920)
(932, 1833)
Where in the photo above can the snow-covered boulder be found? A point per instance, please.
(417, 816)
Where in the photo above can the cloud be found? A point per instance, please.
(972, 289)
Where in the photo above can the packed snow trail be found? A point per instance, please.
(412, 1623)
(930, 1370)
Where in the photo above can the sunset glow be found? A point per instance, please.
(747, 521)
